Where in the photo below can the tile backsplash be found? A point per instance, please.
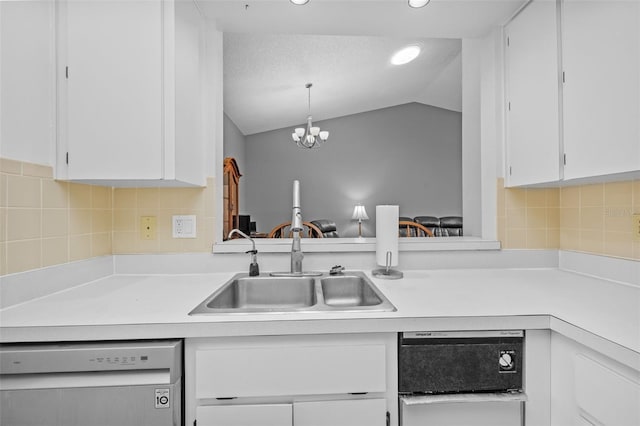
(47, 222)
(130, 204)
(594, 218)
(528, 218)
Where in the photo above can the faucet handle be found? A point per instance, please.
(336, 270)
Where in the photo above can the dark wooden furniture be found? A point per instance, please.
(230, 178)
(284, 231)
(409, 228)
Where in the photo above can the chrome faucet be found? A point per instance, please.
(254, 269)
(296, 228)
(296, 251)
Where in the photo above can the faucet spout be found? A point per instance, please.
(296, 228)
(296, 251)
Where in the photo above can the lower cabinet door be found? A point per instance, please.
(355, 412)
(604, 396)
(245, 415)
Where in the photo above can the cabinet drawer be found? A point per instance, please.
(245, 415)
(290, 370)
(356, 412)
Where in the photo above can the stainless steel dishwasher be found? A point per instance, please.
(91, 384)
(461, 378)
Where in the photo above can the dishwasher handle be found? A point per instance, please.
(84, 379)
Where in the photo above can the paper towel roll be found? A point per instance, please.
(387, 234)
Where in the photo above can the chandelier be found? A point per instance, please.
(311, 137)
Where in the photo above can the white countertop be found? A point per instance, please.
(157, 306)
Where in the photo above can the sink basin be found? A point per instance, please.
(349, 291)
(255, 294)
(352, 291)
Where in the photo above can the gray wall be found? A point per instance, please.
(408, 155)
(234, 146)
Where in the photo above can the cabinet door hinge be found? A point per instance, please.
(67, 158)
(563, 79)
(510, 171)
(508, 41)
(509, 106)
(564, 159)
(66, 72)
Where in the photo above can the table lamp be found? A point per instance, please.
(359, 214)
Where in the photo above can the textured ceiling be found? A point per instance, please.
(272, 48)
(265, 77)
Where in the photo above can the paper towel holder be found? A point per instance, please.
(387, 273)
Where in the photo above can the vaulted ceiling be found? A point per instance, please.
(273, 48)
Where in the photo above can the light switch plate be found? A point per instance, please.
(184, 226)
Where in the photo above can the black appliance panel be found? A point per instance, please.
(447, 365)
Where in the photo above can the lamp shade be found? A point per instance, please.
(418, 3)
(359, 213)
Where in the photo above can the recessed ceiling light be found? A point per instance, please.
(416, 3)
(301, 2)
(405, 55)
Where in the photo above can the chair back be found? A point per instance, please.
(284, 231)
(408, 228)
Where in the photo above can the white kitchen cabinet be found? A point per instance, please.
(588, 388)
(355, 412)
(324, 380)
(573, 105)
(601, 91)
(245, 415)
(129, 106)
(532, 90)
(241, 372)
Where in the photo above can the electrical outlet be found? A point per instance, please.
(636, 226)
(148, 228)
(184, 226)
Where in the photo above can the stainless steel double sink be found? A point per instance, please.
(350, 291)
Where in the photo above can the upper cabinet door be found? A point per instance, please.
(111, 57)
(532, 87)
(601, 93)
(130, 78)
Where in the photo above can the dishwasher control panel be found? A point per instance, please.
(89, 356)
